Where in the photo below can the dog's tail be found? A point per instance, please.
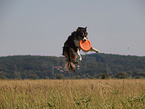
(70, 66)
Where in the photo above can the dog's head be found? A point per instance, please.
(82, 33)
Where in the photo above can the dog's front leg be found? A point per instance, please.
(95, 50)
(78, 51)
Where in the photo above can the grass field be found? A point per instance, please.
(72, 94)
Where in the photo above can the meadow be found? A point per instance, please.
(72, 94)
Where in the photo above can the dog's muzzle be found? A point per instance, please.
(84, 39)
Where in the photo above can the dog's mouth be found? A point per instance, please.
(84, 39)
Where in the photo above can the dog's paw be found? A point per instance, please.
(75, 62)
(80, 58)
(97, 51)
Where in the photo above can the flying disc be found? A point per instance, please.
(85, 45)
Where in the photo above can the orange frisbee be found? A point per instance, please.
(85, 45)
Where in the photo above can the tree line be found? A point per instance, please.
(92, 66)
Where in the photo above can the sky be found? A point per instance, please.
(40, 27)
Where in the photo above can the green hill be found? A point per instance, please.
(92, 66)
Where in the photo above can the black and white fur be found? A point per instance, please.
(71, 47)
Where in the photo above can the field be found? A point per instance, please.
(72, 94)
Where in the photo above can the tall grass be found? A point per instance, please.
(72, 94)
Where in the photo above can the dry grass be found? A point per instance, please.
(72, 94)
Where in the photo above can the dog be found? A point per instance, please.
(72, 48)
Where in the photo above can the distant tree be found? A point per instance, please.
(96, 76)
(3, 77)
(59, 76)
(46, 77)
(137, 77)
(76, 77)
(104, 76)
(17, 75)
(17, 67)
(33, 76)
(122, 75)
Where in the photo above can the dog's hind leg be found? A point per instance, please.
(70, 66)
(73, 56)
(66, 53)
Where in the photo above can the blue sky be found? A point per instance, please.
(40, 27)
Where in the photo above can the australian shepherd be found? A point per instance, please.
(71, 47)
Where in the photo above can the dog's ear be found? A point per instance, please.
(86, 28)
(79, 29)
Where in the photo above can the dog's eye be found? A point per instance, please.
(86, 34)
(83, 34)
